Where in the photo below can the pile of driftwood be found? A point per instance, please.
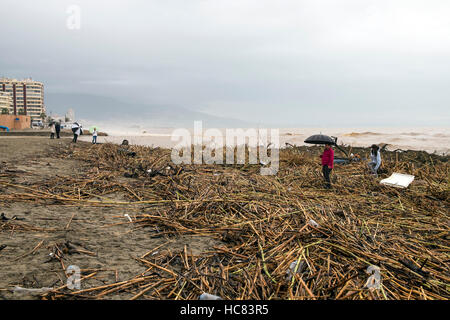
(283, 236)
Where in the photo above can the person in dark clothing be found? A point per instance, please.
(327, 164)
(75, 126)
(57, 129)
(375, 159)
(77, 130)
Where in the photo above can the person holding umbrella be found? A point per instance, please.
(77, 130)
(327, 164)
(328, 154)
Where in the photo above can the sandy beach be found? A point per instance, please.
(29, 161)
(64, 204)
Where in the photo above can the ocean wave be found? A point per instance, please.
(360, 134)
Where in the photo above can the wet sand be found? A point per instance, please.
(109, 246)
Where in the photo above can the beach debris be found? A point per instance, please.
(52, 256)
(3, 246)
(207, 296)
(63, 248)
(312, 223)
(399, 180)
(126, 215)
(169, 169)
(341, 161)
(125, 143)
(4, 218)
(133, 175)
(411, 266)
(127, 152)
(153, 173)
(292, 269)
(252, 228)
(287, 144)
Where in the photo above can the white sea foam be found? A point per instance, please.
(428, 139)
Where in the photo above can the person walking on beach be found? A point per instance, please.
(77, 130)
(94, 136)
(375, 159)
(57, 129)
(52, 130)
(327, 164)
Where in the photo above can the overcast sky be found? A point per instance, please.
(292, 62)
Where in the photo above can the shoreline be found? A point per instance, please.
(431, 140)
(437, 145)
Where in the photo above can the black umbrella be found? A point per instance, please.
(321, 139)
(75, 127)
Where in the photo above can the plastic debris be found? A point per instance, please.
(207, 296)
(398, 180)
(128, 216)
(312, 223)
(291, 271)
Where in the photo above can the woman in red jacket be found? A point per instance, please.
(327, 164)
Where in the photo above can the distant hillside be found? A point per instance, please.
(100, 108)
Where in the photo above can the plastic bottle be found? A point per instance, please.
(207, 296)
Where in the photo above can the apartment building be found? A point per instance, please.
(27, 97)
(6, 102)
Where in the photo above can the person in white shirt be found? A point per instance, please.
(94, 136)
(375, 159)
(76, 132)
(75, 126)
(52, 131)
